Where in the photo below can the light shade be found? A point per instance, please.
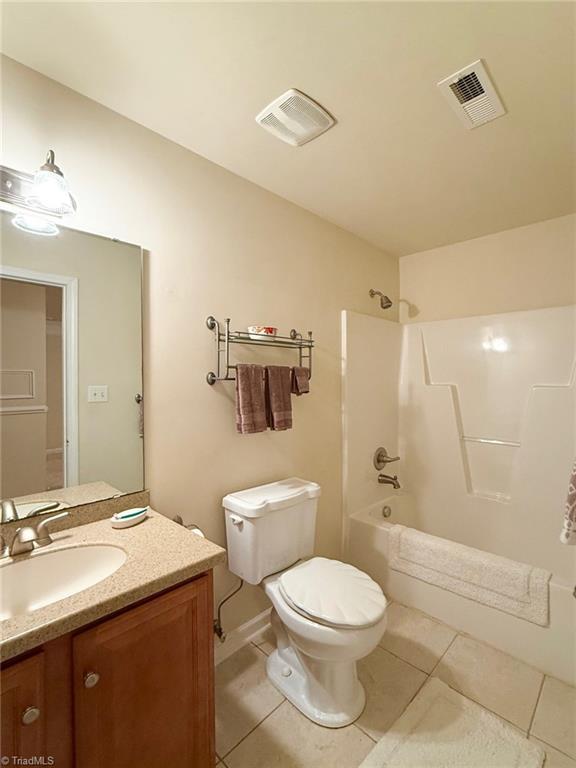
(50, 189)
(35, 225)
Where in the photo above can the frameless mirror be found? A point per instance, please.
(71, 427)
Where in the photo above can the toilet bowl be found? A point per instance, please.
(326, 614)
(314, 664)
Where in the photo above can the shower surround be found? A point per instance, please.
(482, 412)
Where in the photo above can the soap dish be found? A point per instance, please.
(129, 517)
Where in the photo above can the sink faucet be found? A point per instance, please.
(8, 511)
(389, 480)
(30, 536)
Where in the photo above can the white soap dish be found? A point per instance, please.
(129, 517)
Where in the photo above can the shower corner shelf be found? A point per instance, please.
(224, 337)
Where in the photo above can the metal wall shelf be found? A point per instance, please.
(224, 337)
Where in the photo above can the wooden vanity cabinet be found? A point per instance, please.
(22, 710)
(139, 692)
(36, 704)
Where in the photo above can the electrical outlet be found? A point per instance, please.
(98, 393)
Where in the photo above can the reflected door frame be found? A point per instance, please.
(69, 287)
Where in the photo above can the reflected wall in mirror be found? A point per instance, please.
(70, 367)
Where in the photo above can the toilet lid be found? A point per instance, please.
(333, 593)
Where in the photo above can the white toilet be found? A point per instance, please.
(326, 614)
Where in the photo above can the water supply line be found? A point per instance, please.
(218, 630)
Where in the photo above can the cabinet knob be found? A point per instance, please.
(30, 715)
(91, 679)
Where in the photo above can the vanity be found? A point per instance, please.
(120, 673)
(106, 634)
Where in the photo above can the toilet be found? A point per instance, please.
(326, 614)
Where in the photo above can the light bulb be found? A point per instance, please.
(50, 189)
(50, 192)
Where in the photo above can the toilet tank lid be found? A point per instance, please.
(258, 501)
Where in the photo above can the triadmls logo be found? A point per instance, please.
(32, 760)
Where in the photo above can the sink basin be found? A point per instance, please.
(43, 577)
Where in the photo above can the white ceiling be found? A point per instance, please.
(399, 169)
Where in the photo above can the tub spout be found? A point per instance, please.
(389, 480)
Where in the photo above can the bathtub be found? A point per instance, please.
(550, 649)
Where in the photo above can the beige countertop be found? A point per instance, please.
(75, 494)
(160, 554)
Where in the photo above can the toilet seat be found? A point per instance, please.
(333, 593)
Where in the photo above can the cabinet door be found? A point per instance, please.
(23, 711)
(143, 685)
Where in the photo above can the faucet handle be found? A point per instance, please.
(9, 511)
(44, 537)
(381, 458)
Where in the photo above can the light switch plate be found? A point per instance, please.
(98, 393)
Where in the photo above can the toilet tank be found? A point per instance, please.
(270, 527)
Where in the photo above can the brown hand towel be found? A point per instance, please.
(278, 398)
(250, 399)
(300, 380)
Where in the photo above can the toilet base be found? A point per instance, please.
(343, 704)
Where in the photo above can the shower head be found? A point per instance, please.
(385, 301)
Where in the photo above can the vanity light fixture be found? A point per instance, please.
(44, 193)
(50, 192)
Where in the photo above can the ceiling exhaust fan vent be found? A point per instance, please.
(295, 118)
(472, 95)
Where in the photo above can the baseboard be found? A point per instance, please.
(240, 636)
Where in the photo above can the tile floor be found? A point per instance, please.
(257, 728)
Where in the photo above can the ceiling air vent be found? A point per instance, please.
(295, 118)
(472, 96)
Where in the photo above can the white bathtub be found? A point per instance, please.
(550, 649)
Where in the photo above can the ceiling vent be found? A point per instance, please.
(295, 118)
(472, 96)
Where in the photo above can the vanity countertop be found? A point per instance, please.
(75, 495)
(160, 554)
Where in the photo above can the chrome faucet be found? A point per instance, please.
(389, 480)
(30, 536)
(381, 459)
(8, 511)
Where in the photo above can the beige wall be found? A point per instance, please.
(525, 268)
(217, 245)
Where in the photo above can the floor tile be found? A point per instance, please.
(390, 685)
(554, 758)
(415, 637)
(244, 696)
(287, 739)
(265, 640)
(555, 718)
(499, 682)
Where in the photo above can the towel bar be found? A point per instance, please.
(224, 338)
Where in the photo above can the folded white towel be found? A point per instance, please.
(513, 587)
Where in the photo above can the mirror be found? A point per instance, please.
(71, 426)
